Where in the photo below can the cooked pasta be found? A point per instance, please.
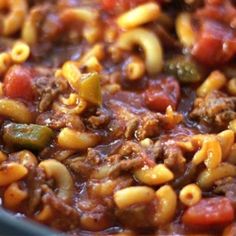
(167, 204)
(184, 29)
(190, 194)
(5, 62)
(14, 20)
(54, 169)
(216, 80)
(11, 172)
(132, 195)
(138, 16)
(20, 52)
(13, 196)
(159, 174)
(119, 117)
(207, 178)
(135, 68)
(149, 43)
(72, 139)
(15, 110)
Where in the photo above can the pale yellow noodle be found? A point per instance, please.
(207, 177)
(133, 195)
(184, 29)
(14, 20)
(14, 196)
(167, 203)
(139, 15)
(57, 171)
(15, 110)
(5, 62)
(190, 194)
(216, 80)
(226, 139)
(11, 172)
(20, 52)
(135, 68)
(149, 43)
(158, 174)
(72, 139)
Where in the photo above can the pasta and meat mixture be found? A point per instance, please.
(119, 117)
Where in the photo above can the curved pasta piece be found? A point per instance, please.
(210, 153)
(207, 177)
(72, 74)
(13, 196)
(96, 51)
(226, 139)
(167, 203)
(150, 44)
(20, 52)
(72, 139)
(29, 31)
(14, 20)
(15, 110)
(83, 14)
(190, 194)
(26, 158)
(5, 62)
(74, 109)
(184, 29)
(216, 80)
(12, 172)
(135, 68)
(159, 174)
(56, 170)
(139, 15)
(133, 195)
(45, 214)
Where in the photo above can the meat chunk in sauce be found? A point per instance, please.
(216, 109)
(118, 147)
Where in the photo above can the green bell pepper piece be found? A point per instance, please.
(34, 137)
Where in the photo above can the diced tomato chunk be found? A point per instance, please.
(215, 45)
(18, 83)
(109, 4)
(211, 211)
(216, 41)
(217, 10)
(162, 93)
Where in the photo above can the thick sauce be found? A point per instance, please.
(118, 117)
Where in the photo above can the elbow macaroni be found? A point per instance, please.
(159, 174)
(11, 172)
(14, 196)
(14, 20)
(184, 29)
(72, 74)
(138, 16)
(190, 194)
(5, 62)
(207, 177)
(210, 153)
(167, 203)
(133, 195)
(216, 80)
(20, 52)
(72, 139)
(135, 68)
(83, 14)
(150, 44)
(15, 110)
(57, 171)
